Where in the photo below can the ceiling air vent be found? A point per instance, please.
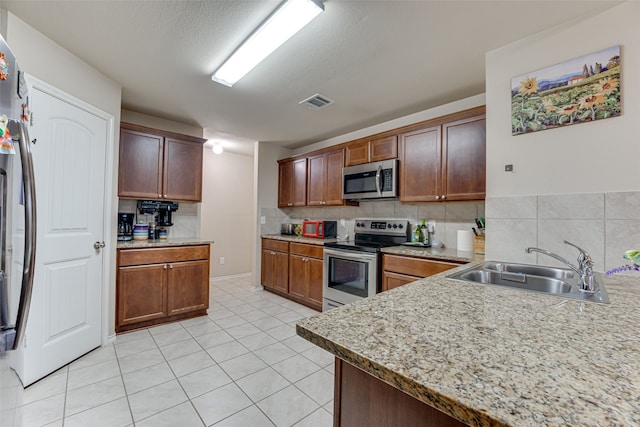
(316, 101)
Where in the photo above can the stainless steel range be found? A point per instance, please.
(352, 269)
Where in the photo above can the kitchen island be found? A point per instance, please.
(491, 356)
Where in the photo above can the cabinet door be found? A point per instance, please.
(464, 159)
(333, 178)
(357, 153)
(268, 268)
(285, 184)
(383, 148)
(314, 292)
(316, 184)
(187, 286)
(392, 280)
(420, 155)
(140, 167)
(141, 294)
(182, 170)
(298, 276)
(299, 182)
(281, 272)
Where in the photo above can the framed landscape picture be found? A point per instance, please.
(581, 90)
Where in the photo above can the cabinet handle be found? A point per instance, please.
(437, 197)
(273, 253)
(164, 267)
(170, 266)
(443, 197)
(159, 196)
(290, 204)
(165, 196)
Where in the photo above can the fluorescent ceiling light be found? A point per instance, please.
(287, 20)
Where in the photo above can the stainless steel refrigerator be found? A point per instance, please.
(17, 203)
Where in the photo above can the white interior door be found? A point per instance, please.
(69, 163)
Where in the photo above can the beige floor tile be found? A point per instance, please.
(90, 396)
(147, 377)
(242, 366)
(193, 362)
(112, 414)
(319, 418)
(183, 415)
(156, 399)
(262, 384)
(274, 353)
(200, 382)
(318, 386)
(251, 416)
(288, 406)
(227, 351)
(296, 368)
(221, 403)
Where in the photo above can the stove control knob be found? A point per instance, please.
(395, 225)
(400, 226)
(388, 225)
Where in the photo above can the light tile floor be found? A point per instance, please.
(242, 365)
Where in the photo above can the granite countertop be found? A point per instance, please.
(296, 239)
(157, 243)
(492, 356)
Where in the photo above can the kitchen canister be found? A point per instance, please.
(465, 240)
(162, 234)
(141, 232)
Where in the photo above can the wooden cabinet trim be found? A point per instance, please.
(357, 153)
(168, 134)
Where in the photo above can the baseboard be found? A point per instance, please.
(231, 276)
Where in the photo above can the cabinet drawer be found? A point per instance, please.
(415, 266)
(313, 251)
(275, 245)
(161, 255)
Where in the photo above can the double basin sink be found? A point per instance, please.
(561, 282)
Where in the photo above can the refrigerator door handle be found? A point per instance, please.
(29, 187)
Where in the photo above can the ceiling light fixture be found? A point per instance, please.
(217, 148)
(284, 22)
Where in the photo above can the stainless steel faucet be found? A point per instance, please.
(584, 269)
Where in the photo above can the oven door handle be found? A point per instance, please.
(346, 254)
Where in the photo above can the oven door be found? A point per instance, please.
(349, 276)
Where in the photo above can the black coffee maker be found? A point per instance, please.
(125, 226)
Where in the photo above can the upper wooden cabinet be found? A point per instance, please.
(371, 150)
(159, 165)
(444, 162)
(324, 185)
(292, 183)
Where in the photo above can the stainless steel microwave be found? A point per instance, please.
(375, 180)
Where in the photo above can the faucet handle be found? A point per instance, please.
(584, 259)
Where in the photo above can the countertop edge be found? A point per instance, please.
(140, 244)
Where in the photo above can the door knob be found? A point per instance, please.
(98, 245)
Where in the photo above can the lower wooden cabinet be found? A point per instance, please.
(158, 285)
(293, 270)
(275, 265)
(399, 270)
(305, 274)
(364, 400)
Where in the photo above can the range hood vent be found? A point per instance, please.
(316, 101)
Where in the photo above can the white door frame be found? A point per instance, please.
(108, 230)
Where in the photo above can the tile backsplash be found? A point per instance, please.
(449, 217)
(604, 224)
(186, 220)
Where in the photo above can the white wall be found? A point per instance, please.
(593, 157)
(575, 183)
(227, 212)
(44, 59)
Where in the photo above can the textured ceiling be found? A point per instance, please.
(378, 60)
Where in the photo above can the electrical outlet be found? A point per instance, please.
(431, 226)
(221, 260)
(508, 168)
(263, 219)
